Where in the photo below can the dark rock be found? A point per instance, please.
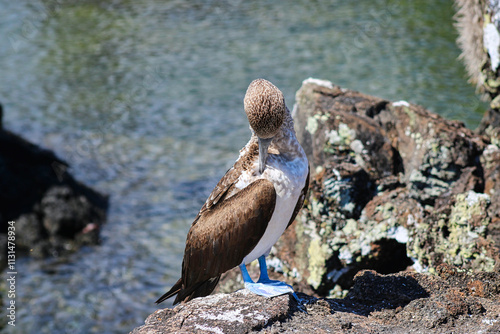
(53, 213)
(238, 312)
(490, 160)
(397, 303)
(490, 126)
(392, 185)
(396, 189)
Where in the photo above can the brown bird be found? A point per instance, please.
(251, 206)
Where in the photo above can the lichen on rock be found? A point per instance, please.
(459, 236)
(389, 183)
(451, 301)
(395, 189)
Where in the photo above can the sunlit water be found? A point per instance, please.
(144, 100)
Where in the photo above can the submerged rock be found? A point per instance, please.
(52, 212)
(452, 301)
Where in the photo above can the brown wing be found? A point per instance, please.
(221, 190)
(302, 197)
(221, 237)
(225, 187)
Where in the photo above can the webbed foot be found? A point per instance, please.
(273, 289)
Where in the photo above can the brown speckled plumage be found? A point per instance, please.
(265, 108)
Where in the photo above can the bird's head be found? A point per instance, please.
(265, 108)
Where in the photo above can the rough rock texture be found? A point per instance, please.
(450, 302)
(490, 128)
(53, 213)
(394, 189)
(392, 186)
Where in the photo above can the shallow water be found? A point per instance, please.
(144, 100)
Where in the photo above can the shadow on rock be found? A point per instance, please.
(384, 292)
(392, 186)
(452, 301)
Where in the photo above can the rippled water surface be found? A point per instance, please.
(144, 100)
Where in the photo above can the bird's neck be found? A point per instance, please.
(285, 140)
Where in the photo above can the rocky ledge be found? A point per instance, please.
(395, 189)
(450, 302)
(53, 214)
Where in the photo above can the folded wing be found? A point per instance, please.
(221, 236)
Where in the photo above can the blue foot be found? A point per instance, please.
(268, 281)
(269, 290)
(265, 286)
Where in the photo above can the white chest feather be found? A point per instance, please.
(289, 178)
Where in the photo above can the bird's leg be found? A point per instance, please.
(265, 287)
(264, 277)
(245, 274)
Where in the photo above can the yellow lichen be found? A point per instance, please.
(318, 254)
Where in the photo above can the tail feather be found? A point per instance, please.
(172, 292)
(201, 289)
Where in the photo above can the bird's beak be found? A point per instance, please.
(263, 147)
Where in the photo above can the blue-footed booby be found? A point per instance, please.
(251, 206)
